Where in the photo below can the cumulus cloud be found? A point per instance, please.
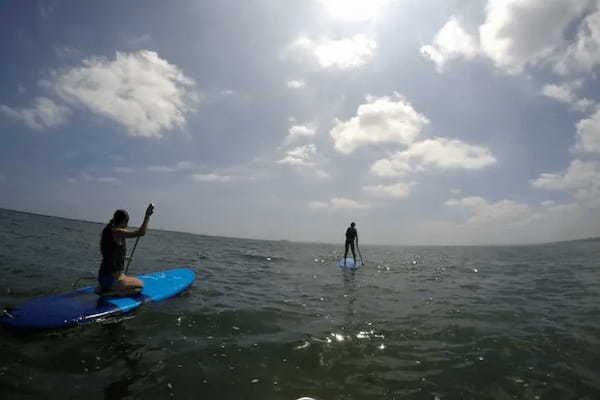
(45, 113)
(588, 134)
(564, 94)
(438, 153)
(581, 178)
(482, 221)
(212, 178)
(448, 153)
(140, 91)
(449, 43)
(483, 212)
(97, 179)
(299, 131)
(339, 203)
(295, 84)
(180, 166)
(393, 166)
(521, 33)
(301, 156)
(343, 54)
(398, 190)
(583, 55)
(379, 120)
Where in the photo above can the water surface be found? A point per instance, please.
(279, 320)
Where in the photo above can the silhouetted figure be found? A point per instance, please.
(114, 252)
(351, 236)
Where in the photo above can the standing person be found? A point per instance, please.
(114, 250)
(351, 235)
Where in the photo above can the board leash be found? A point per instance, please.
(82, 278)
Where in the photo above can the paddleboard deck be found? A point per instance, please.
(349, 263)
(85, 305)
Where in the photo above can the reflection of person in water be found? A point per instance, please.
(351, 236)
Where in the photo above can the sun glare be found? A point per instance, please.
(353, 10)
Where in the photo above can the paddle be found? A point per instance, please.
(360, 255)
(149, 211)
(137, 239)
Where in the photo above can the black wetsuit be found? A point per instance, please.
(113, 258)
(351, 235)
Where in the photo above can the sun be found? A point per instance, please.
(353, 10)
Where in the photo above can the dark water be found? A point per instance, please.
(278, 320)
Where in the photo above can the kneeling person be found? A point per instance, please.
(114, 250)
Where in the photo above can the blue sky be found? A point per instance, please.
(426, 122)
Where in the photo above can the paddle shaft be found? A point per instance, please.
(360, 255)
(137, 239)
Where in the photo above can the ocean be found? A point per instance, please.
(279, 320)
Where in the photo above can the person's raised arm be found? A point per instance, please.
(141, 231)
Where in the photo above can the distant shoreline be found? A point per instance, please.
(587, 239)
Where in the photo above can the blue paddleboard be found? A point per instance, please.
(349, 263)
(84, 305)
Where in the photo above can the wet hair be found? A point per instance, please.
(119, 217)
(352, 224)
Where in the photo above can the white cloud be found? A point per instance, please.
(564, 94)
(295, 84)
(449, 43)
(398, 190)
(180, 166)
(301, 156)
(521, 32)
(588, 134)
(108, 179)
(583, 55)
(95, 179)
(394, 166)
(141, 91)
(212, 178)
(448, 153)
(482, 212)
(298, 131)
(439, 153)
(342, 54)
(44, 114)
(581, 180)
(579, 174)
(339, 203)
(353, 10)
(380, 120)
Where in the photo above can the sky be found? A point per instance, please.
(424, 121)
